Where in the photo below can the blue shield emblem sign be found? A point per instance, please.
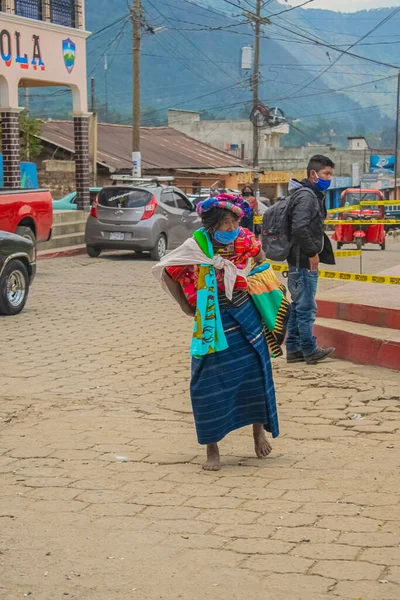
(69, 48)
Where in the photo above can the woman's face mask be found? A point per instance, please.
(226, 237)
(228, 230)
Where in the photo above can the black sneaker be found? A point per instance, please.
(295, 357)
(319, 355)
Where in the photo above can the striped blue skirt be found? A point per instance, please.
(234, 388)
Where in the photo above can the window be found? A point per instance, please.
(92, 196)
(32, 9)
(168, 199)
(116, 197)
(63, 12)
(181, 202)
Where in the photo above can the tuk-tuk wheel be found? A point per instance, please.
(339, 245)
(359, 243)
(383, 246)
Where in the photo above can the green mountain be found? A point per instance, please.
(191, 60)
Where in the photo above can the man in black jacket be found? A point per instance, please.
(310, 246)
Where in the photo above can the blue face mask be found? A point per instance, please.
(226, 237)
(323, 184)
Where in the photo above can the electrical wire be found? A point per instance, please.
(191, 43)
(290, 9)
(380, 24)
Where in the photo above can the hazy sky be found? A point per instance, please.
(346, 5)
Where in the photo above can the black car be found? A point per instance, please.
(17, 270)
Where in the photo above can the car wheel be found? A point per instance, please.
(14, 288)
(93, 251)
(26, 233)
(160, 248)
(339, 245)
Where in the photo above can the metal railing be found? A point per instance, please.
(62, 12)
(32, 9)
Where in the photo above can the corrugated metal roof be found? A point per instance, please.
(161, 147)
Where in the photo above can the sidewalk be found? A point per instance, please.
(383, 296)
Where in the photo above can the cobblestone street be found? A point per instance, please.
(102, 495)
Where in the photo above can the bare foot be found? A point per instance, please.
(262, 446)
(213, 461)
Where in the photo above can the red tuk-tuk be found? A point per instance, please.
(355, 233)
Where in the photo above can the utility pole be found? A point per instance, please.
(258, 21)
(136, 17)
(93, 132)
(396, 168)
(106, 86)
(256, 81)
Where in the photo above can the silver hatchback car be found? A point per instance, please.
(148, 217)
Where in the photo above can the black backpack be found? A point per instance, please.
(276, 230)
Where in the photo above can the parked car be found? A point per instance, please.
(69, 201)
(142, 217)
(392, 212)
(17, 270)
(27, 213)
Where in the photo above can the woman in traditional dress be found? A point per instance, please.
(232, 384)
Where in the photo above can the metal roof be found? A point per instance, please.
(161, 147)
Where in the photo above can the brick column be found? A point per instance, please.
(81, 136)
(11, 149)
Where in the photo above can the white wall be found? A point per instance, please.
(220, 133)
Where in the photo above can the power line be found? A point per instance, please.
(99, 31)
(290, 9)
(332, 47)
(190, 42)
(387, 18)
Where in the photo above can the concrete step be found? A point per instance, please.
(359, 343)
(69, 227)
(379, 316)
(61, 241)
(66, 216)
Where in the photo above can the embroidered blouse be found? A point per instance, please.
(245, 246)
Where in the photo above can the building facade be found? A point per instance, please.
(235, 137)
(43, 44)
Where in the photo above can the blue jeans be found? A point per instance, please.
(303, 288)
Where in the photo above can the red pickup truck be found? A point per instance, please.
(26, 212)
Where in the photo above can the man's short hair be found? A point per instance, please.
(319, 162)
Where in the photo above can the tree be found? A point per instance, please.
(29, 132)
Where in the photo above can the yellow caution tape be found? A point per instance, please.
(279, 268)
(345, 209)
(355, 207)
(347, 253)
(365, 278)
(379, 202)
(363, 222)
(258, 220)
